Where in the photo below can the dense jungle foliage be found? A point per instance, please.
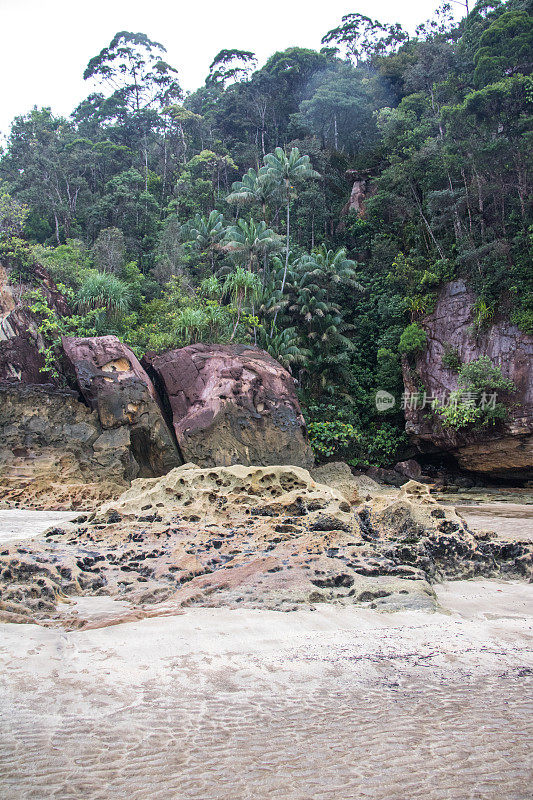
(223, 215)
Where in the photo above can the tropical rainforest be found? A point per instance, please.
(311, 207)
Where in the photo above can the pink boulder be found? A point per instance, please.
(113, 382)
(232, 404)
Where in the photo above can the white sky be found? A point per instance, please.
(46, 44)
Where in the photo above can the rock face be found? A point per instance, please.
(260, 537)
(362, 188)
(53, 451)
(232, 404)
(113, 383)
(20, 340)
(338, 475)
(505, 451)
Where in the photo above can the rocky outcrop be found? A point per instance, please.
(259, 537)
(338, 475)
(362, 188)
(232, 404)
(20, 339)
(227, 405)
(115, 385)
(58, 451)
(505, 451)
(54, 451)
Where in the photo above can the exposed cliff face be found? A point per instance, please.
(505, 451)
(232, 404)
(54, 450)
(362, 188)
(20, 340)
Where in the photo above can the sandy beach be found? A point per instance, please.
(18, 524)
(331, 704)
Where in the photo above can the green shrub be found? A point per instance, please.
(413, 339)
(67, 263)
(475, 403)
(52, 327)
(451, 358)
(328, 438)
(381, 446)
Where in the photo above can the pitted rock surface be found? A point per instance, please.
(260, 537)
(232, 404)
(51, 453)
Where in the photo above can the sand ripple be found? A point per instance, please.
(221, 705)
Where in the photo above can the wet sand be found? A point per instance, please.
(18, 524)
(332, 704)
(508, 520)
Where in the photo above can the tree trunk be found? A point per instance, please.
(57, 228)
(287, 247)
(426, 223)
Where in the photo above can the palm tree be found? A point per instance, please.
(251, 241)
(208, 233)
(255, 187)
(103, 290)
(335, 266)
(286, 347)
(241, 285)
(284, 171)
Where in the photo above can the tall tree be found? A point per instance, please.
(230, 66)
(286, 170)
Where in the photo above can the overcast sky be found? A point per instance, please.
(46, 44)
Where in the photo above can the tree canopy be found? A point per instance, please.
(313, 206)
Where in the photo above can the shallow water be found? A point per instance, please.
(508, 520)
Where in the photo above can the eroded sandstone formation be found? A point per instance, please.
(113, 383)
(54, 452)
(505, 451)
(261, 537)
(232, 404)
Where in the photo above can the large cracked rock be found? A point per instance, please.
(502, 451)
(232, 404)
(260, 537)
(113, 383)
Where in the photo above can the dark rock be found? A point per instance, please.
(410, 469)
(20, 340)
(388, 476)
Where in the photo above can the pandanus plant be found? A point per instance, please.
(242, 286)
(103, 290)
